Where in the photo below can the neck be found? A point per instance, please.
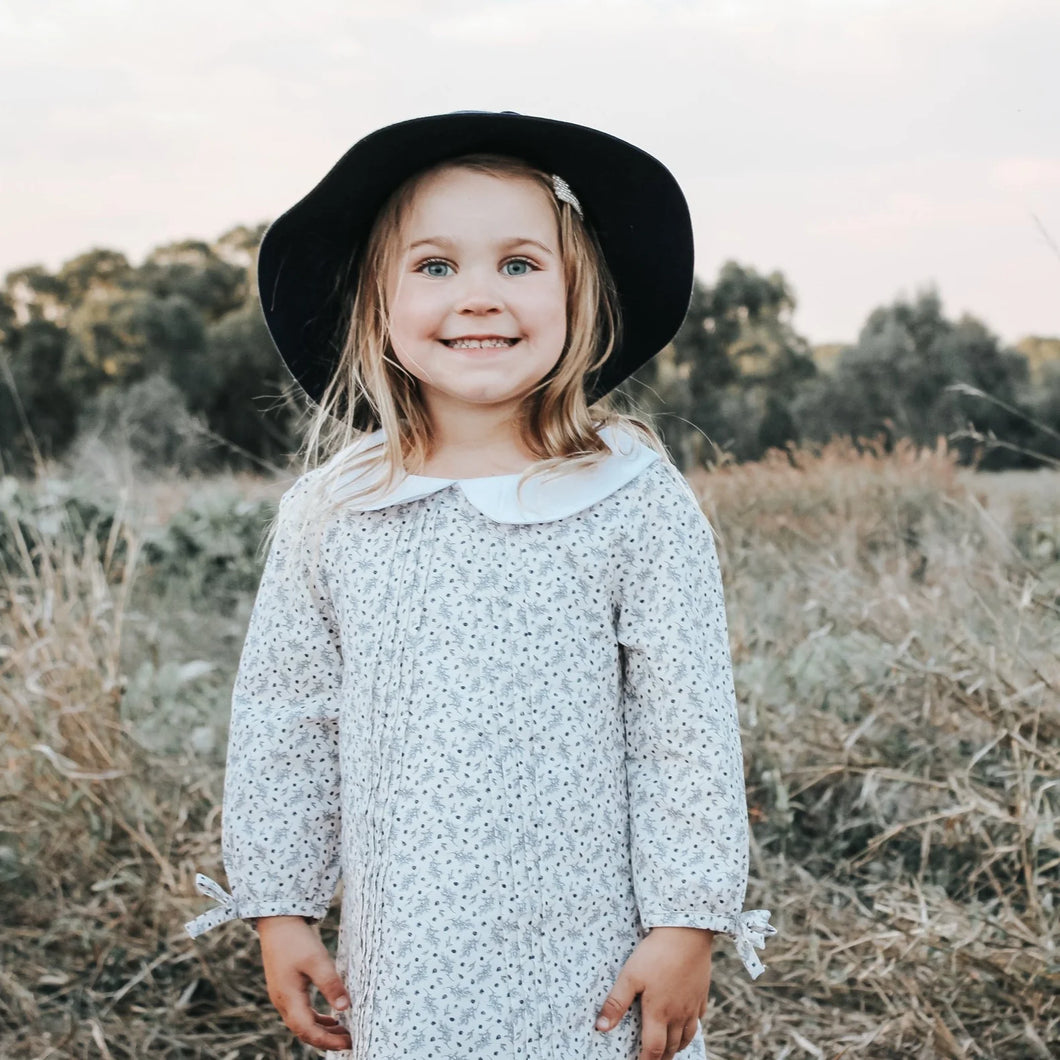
(488, 434)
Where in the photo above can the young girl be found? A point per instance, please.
(486, 678)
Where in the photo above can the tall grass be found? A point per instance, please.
(895, 628)
(98, 834)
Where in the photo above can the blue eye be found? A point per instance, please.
(521, 261)
(434, 262)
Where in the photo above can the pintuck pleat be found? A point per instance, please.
(389, 696)
(536, 887)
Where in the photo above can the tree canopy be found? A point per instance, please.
(100, 341)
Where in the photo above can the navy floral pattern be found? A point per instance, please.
(516, 743)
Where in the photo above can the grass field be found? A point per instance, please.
(895, 631)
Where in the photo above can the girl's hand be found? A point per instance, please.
(293, 956)
(670, 969)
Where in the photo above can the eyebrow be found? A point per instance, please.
(441, 241)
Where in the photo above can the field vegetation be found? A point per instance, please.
(895, 628)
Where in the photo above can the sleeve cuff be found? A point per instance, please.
(232, 909)
(747, 930)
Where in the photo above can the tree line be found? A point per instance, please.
(173, 357)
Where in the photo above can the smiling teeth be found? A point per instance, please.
(478, 344)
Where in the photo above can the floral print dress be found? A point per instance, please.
(508, 723)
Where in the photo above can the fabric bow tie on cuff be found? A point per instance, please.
(227, 910)
(751, 930)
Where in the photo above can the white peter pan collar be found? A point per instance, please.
(542, 499)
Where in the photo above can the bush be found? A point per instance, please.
(148, 420)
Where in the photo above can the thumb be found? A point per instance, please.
(326, 978)
(617, 1002)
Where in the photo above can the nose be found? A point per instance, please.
(479, 294)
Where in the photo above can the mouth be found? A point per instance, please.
(489, 342)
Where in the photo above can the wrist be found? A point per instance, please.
(256, 922)
(706, 933)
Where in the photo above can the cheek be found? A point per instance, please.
(549, 307)
(412, 315)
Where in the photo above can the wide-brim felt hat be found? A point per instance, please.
(629, 199)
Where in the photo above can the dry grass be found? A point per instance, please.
(100, 837)
(895, 626)
(895, 629)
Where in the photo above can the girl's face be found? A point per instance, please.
(478, 258)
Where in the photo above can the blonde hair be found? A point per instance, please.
(370, 389)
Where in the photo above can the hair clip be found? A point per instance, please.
(562, 190)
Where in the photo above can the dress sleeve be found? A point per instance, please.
(684, 761)
(280, 818)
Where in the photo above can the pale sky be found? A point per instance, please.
(864, 148)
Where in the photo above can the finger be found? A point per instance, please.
(616, 1003)
(321, 1035)
(325, 1021)
(327, 980)
(301, 1021)
(333, 1041)
(689, 1033)
(652, 1038)
(674, 1032)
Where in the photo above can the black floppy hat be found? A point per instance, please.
(629, 199)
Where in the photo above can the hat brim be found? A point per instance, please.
(630, 199)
